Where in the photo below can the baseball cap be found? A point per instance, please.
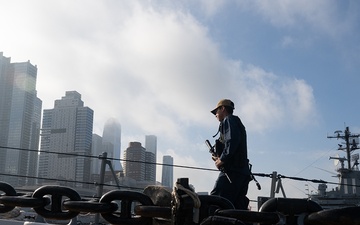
(223, 102)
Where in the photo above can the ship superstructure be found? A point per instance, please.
(347, 193)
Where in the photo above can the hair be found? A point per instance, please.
(229, 110)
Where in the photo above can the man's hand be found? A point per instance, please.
(218, 162)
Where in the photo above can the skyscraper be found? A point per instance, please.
(67, 129)
(134, 165)
(167, 171)
(5, 103)
(150, 158)
(34, 142)
(150, 167)
(96, 150)
(20, 111)
(111, 141)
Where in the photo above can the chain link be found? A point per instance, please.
(126, 216)
(58, 194)
(91, 206)
(9, 191)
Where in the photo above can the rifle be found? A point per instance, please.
(213, 153)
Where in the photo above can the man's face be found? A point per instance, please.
(220, 113)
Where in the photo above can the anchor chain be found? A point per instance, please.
(186, 208)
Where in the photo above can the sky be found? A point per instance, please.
(159, 67)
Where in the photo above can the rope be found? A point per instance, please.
(193, 195)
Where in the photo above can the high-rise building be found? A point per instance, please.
(150, 158)
(167, 171)
(67, 130)
(150, 167)
(20, 112)
(96, 150)
(134, 165)
(34, 143)
(6, 81)
(111, 141)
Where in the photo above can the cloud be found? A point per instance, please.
(267, 100)
(300, 101)
(211, 7)
(330, 18)
(156, 70)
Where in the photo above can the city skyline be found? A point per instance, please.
(109, 142)
(159, 67)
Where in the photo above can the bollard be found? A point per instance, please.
(182, 204)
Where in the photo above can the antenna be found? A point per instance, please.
(336, 159)
(351, 144)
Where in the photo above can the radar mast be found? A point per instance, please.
(351, 144)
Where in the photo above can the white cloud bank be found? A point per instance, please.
(154, 69)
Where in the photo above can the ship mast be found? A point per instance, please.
(347, 192)
(350, 142)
